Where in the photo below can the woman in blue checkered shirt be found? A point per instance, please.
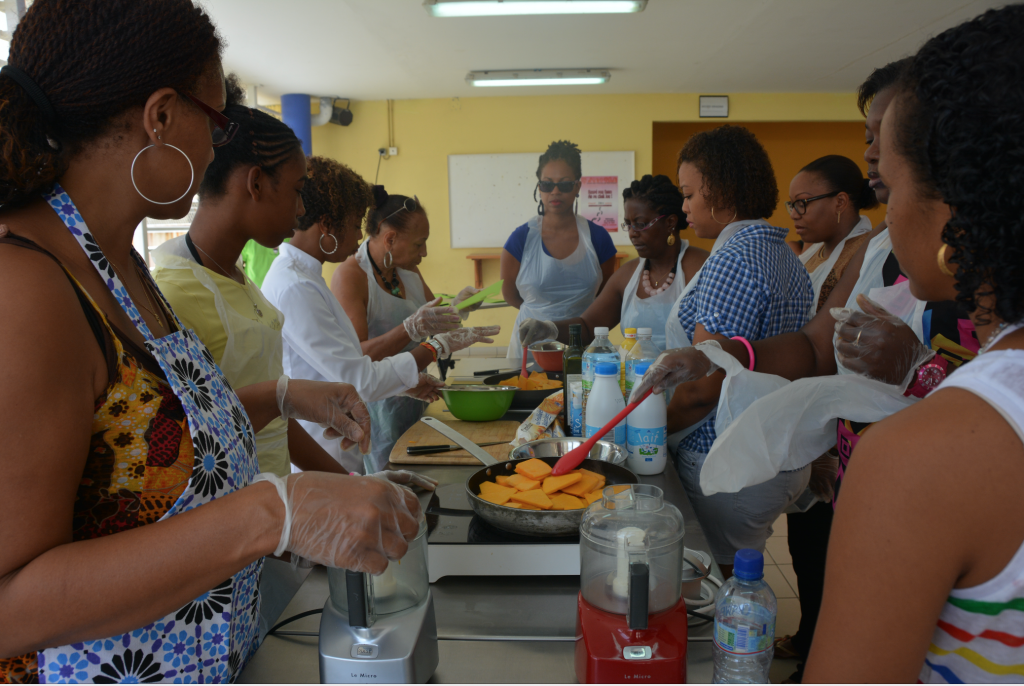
(752, 287)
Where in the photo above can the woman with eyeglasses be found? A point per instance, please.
(133, 518)
(825, 200)
(391, 306)
(554, 265)
(642, 293)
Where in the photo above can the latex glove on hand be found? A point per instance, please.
(672, 368)
(463, 294)
(877, 344)
(404, 477)
(349, 522)
(460, 339)
(533, 330)
(426, 389)
(430, 320)
(336, 407)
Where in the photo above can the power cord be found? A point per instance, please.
(294, 618)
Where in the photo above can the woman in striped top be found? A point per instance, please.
(925, 576)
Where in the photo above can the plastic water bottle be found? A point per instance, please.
(629, 339)
(745, 610)
(644, 350)
(606, 402)
(647, 432)
(601, 350)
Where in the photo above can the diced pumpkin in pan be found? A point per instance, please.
(585, 485)
(521, 483)
(592, 497)
(564, 501)
(515, 506)
(502, 480)
(523, 506)
(534, 469)
(557, 483)
(496, 494)
(535, 497)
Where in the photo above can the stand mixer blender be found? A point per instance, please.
(380, 629)
(631, 617)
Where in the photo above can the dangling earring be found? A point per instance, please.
(540, 203)
(942, 261)
(388, 256)
(575, 205)
(671, 240)
(191, 170)
(321, 242)
(839, 217)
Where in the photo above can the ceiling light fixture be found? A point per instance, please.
(494, 8)
(538, 77)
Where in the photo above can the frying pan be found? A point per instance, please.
(524, 400)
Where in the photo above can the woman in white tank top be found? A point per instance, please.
(925, 577)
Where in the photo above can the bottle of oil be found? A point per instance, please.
(572, 367)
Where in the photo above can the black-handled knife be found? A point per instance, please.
(431, 449)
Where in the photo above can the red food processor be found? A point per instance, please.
(631, 617)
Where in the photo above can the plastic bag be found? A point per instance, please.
(543, 422)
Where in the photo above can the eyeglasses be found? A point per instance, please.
(223, 128)
(409, 205)
(563, 186)
(800, 206)
(626, 226)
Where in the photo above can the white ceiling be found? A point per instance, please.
(380, 49)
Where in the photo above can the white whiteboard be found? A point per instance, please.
(490, 195)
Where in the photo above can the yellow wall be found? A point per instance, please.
(427, 131)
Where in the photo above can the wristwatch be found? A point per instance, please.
(927, 377)
(437, 346)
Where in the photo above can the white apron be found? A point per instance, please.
(821, 272)
(653, 311)
(212, 637)
(554, 289)
(391, 417)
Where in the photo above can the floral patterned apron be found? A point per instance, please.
(211, 638)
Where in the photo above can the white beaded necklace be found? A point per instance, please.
(647, 280)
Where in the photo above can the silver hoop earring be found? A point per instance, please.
(191, 169)
(388, 256)
(321, 242)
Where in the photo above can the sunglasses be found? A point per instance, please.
(223, 128)
(563, 186)
(798, 207)
(409, 205)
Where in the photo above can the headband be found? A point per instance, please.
(33, 91)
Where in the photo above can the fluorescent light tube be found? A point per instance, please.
(494, 8)
(538, 77)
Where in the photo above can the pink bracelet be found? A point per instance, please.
(750, 350)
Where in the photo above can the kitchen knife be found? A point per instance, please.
(431, 449)
(469, 446)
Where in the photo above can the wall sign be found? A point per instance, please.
(714, 106)
(599, 201)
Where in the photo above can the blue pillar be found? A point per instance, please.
(295, 113)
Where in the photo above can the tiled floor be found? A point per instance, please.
(778, 572)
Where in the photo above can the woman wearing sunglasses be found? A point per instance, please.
(554, 265)
(392, 308)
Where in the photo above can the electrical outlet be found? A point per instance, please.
(392, 151)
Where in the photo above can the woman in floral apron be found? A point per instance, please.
(131, 540)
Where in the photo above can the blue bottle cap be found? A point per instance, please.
(641, 368)
(748, 564)
(606, 369)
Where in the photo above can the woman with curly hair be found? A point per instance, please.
(751, 287)
(554, 265)
(945, 495)
(320, 341)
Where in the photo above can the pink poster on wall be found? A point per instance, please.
(599, 201)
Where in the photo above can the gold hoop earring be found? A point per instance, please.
(671, 240)
(942, 261)
(723, 223)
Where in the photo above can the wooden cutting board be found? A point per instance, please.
(478, 432)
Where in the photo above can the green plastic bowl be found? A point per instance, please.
(478, 403)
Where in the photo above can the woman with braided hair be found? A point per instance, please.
(133, 520)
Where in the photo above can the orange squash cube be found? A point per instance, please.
(534, 497)
(502, 480)
(592, 497)
(585, 485)
(523, 506)
(534, 469)
(493, 493)
(557, 483)
(564, 501)
(520, 482)
(513, 505)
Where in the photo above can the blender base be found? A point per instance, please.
(399, 648)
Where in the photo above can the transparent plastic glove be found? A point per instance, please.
(533, 330)
(426, 389)
(404, 477)
(463, 294)
(350, 522)
(823, 476)
(876, 344)
(336, 407)
(460, 339)
(430, 319)
(672, 368)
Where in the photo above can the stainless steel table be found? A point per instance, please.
(490, 629)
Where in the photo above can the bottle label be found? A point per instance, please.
(645, 444)
(746, 639)
(575, 384)
(619, 431)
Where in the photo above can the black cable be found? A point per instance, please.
(380, 156)
(294, 618)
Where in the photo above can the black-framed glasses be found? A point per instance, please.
(223, 128)
(409, 205)
(800, 206)
(626, 226)
(563, 186)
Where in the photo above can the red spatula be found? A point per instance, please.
(572, 459)
(525, 374)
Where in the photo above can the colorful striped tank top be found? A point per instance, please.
(980, 634)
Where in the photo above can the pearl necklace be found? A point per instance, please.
(647, 280)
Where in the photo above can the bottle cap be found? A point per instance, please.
(645, 331)
(630, 333)
(748, 564)
(641, 368)
(600, 330)
(606, 369)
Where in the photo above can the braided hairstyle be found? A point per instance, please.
(880, 79)
(94, 60)
(959, 124)
(565, 151)
(661, 194)
(334, 195)
(386, 205)
(260, 141)
(843, 174)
